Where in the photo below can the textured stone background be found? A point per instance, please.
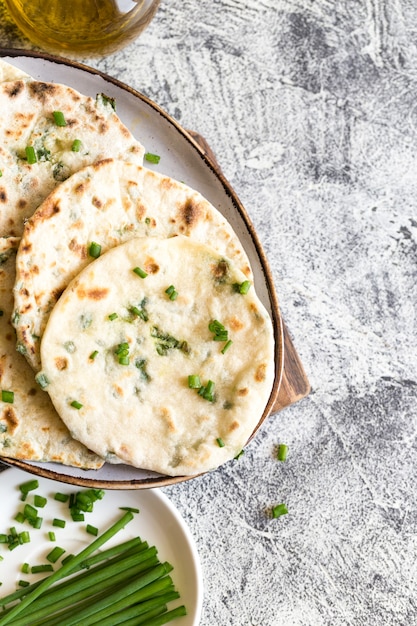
(311, 109)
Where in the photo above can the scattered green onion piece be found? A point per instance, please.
(239, 455)
(140, 272)
(59, 523)
(152, 158)
(37, 522)
(51, 536)
(194, 381)
(59, 118)
(61, 497)
(24, 537)
(113, 316)
(171, 292)
(55, 554)
(25, 569)
(77, 516)
(94, 250)
(30, 155)
(42, 380)
(20, 518)
(244, 287)
(3, 538)
(23, 583)
(76, 405)
(129, 508)
(76, 145)
(226, 346)
(93, 355)
(92, 530)
(124, 360)
(30, 512)
(30, 485)
(45, 567)
(1, 173)
(282, 452)
(39, 501)
(278, 510)
(7, 396)
(220, 442)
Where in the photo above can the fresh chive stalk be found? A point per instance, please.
(65, 569)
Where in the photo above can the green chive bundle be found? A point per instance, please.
(123, 583)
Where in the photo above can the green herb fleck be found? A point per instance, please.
(152, 158)
(76, 145)
(76, 405)
(278, 510)
(30, 155)
(59, 118)
(7, 396)
(140, 272)
(282, 452)
(94, 250)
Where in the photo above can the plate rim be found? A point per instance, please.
(276, 318)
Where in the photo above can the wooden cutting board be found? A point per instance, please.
(294, 384)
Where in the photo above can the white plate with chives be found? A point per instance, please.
(45, 548)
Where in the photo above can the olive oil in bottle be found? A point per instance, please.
(82, 27)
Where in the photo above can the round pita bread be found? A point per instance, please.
(30, 428)
(118, 349)
(107, 203)
(27, 120)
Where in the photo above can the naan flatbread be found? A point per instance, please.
(107, 203)
(118, 349)
(27, 120)
(30, 428)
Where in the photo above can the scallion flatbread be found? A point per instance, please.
(30, 428)
(157, 355)
(39, 123)
(107, 204)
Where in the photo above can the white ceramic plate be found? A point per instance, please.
(158, 523)
(183, 159)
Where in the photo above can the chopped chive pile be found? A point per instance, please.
(152, 158)
(219, 331)
(94, 250)
(59, 118)
(140, 272)
(122, 353)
